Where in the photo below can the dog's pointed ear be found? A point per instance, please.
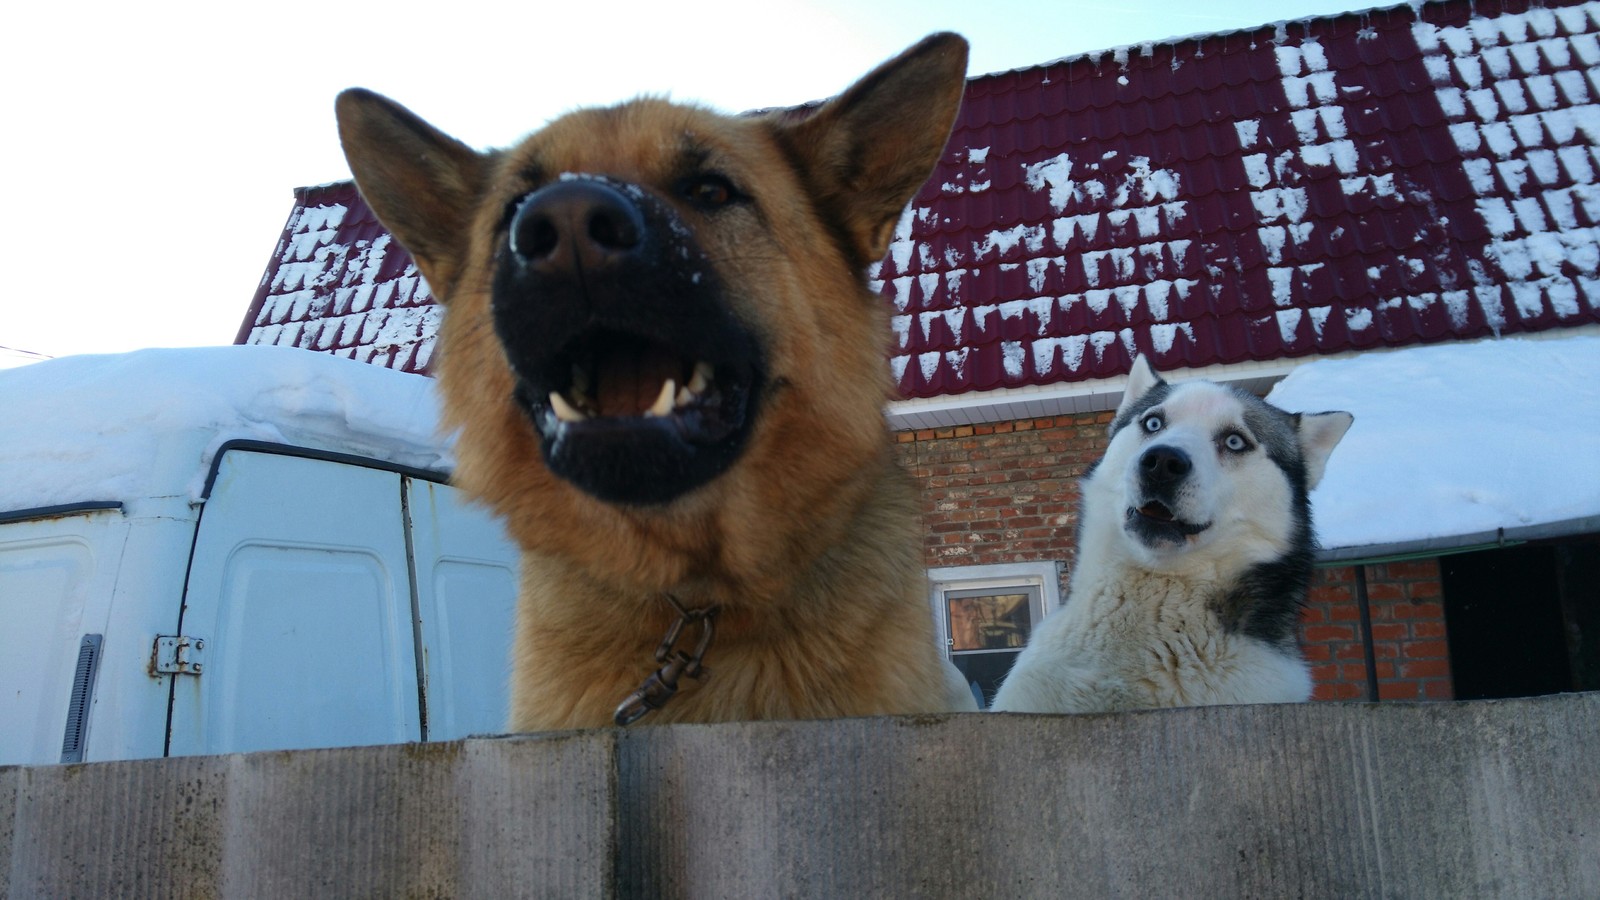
(868, 151)
(1142, 380)
(422, 183)
(1319, 434)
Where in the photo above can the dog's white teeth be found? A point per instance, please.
(664, 400)
(701, 379)
(564, 410)
(684, 398)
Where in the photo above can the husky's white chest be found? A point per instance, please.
(1141, 641)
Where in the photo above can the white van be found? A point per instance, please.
(238, 548)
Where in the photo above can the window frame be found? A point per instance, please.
(1041, 580)
(1046, 576)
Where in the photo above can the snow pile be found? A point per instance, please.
(146, 424)
(1456, 439)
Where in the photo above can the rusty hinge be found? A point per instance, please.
(177, 655)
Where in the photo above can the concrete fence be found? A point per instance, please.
(1496, 799)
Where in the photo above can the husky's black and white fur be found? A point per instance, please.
(1194, 556)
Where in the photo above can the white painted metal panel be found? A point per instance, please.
(299, 589)
(51, 573)
(129, 717)
(114, 573)
(466, 570)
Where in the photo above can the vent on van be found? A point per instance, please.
(82, 694)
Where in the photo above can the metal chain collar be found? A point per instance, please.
(663, 683)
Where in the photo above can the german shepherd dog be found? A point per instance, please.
(668, 376)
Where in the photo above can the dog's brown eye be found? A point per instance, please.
(709, 191)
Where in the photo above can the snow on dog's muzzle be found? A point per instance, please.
(637, 376)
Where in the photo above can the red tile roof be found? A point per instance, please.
(338, 283)
(1384, 178)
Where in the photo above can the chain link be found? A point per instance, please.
(663, 682)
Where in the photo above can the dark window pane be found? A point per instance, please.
(988, 621)
(1503, 618)
(986, 670)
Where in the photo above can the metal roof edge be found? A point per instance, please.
(325, 187)
(1102, 394)
(1118, 52)
(302, 451)
(1396, 551)
(60, 510)
(1123, 52)
(1072, 398)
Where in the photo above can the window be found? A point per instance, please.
(1524, 621)
(985, 615)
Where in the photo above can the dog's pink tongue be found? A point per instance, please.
(1156, 511)
(631, 378)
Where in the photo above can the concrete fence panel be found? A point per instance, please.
(1483, 799)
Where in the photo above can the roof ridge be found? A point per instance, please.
(1122, 53)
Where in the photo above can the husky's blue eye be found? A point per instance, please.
(1236, 442)
(1152, 424)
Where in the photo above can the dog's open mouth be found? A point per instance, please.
(1158, 512)
(634, 420)
(631, 364)
(1156, 523)
(612, 376)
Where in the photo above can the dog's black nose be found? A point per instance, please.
(580, 223)
(1164, 465)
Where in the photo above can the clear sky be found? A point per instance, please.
(151, 149)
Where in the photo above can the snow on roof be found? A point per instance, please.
(1449, 441)
(1396, 176)
(1413, 174)
(1456, 440)
(146, 424)
(339, 284)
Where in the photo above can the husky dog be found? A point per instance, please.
(1194, 556)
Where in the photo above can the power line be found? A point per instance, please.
(28, 353)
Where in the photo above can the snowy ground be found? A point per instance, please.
(1456, 439)
(146, 424)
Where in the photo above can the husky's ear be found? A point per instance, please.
(1142, 380)
(1319, 434)
(868, 151)
(422, 183)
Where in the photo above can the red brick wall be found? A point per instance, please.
(1408, 633)
(1008, 492)
(1003, 493)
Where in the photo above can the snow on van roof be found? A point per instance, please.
(146, 424)
(1449, 440)
(1455, 439)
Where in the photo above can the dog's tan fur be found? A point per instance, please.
(810, 540)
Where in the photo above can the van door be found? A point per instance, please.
(466, 577)
(56, 576)
(299, 600)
